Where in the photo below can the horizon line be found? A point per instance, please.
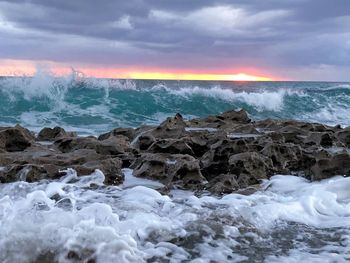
(158, 76)
(174, 79)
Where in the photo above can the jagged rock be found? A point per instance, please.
(251, 189)
(172, 146)
(316, 127)
(171, 128)
(143, 141)
(15, 139)
(66, 160)
(250, 168)
(293, 134)
(286, 157)
(223, 184)
(227, 119)
(52, 134)
(335, 165)
(172, 170)
(344, 136)
(111, 146)
(280, 155)
(151, 166)
(228, 150)
(271, 137)
(245, 129)
(270, 124)
(27, 133)
(71, 144)
(199, 144)
(323, 139)
(29, 173)
(240, 116)
(110, 167)
(293, 129)
(201, 141)
(84, 161)
(215, 161)
(127, 132)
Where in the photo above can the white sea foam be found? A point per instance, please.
(330, 114)
(78, 217)
(242, 135)
(45, 84)
(42, 84)
(132, 181)
(297, 256)
(336, 87)
(195, 129)
(261, 100)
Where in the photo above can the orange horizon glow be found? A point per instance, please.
(195, 76)
(28, 68)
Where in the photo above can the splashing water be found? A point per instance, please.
(77, 219)
(93, 106)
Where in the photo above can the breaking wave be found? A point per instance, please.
(91, 105)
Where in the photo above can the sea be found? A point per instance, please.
(289, 220)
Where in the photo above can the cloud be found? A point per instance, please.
(222, 21)
(122, 23)
(273, 35)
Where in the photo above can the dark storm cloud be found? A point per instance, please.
(276, 35)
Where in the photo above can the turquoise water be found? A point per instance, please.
(92, 106)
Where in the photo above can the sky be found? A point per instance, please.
(273, 39)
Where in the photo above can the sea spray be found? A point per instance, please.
(79, 217)
(91, 106)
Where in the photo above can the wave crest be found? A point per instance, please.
(261, 100)
(46, 84)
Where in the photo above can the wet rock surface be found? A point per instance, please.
(173, 170)
(15, 139)
(52, 134)
(220, 154)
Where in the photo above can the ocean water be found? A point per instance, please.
(93, 106)
(79, 219)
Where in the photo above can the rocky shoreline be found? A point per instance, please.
(220, 154)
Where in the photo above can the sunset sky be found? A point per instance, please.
(178, 39)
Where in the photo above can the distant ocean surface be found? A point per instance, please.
(92, 106)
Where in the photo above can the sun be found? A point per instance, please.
(246, 77)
